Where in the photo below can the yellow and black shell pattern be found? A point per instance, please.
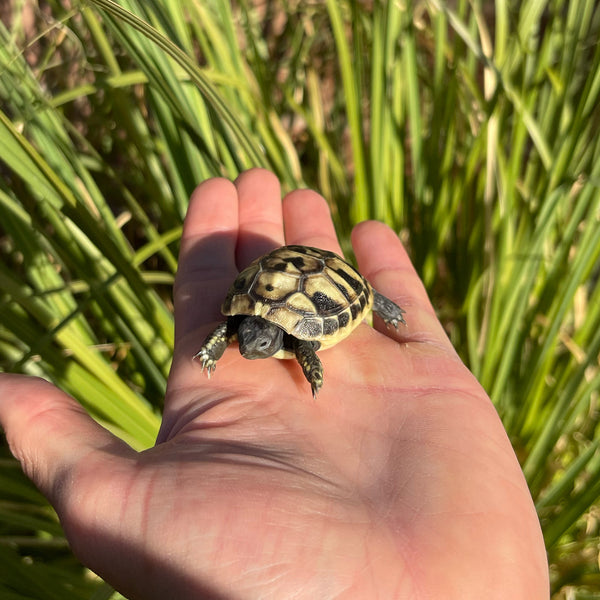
(311, 294)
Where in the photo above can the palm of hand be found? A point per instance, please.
(398, 482)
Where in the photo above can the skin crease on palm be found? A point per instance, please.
(397, 482)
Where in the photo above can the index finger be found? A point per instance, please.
(207, 254)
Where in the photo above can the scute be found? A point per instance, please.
(343, 319)
(300, 303)
(325, 303)
(309, 328)
(350, 278)
(291, 261)
(310, 293)
(330, 325)
(271, 286)
(329, 298)
(237, 301)
(342, 285)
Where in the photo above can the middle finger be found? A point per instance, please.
(308, 221)
(260, 218)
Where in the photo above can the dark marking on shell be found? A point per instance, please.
(330, 326)
(324, 303)
(343, 319)
(356, 283)
(355, 310)
(316, 252)
(297, 261)
(343, 290)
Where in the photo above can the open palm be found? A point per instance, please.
(397, 482)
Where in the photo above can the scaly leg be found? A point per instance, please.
(389, 311)
(213, 347)
(310, 363)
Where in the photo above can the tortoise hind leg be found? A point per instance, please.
(389, 311)
(311, 364)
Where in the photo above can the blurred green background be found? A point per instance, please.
(472, 128)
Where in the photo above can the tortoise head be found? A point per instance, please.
(259, 338)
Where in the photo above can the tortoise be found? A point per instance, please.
(292, 302)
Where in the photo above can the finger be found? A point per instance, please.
(384, 262)
(207, 256)
(51, 435)
(307, 221)
(260, 215)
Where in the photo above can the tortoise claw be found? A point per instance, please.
(206, 362)
(395, 322)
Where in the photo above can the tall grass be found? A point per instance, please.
(471, 128)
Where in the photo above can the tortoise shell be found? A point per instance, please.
(311, 294)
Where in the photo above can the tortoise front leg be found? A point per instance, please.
(214, 346)
(311, 364)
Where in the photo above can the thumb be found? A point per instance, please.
(50, 434)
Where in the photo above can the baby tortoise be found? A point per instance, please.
(292, 302)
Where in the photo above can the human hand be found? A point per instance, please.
(398, 482)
